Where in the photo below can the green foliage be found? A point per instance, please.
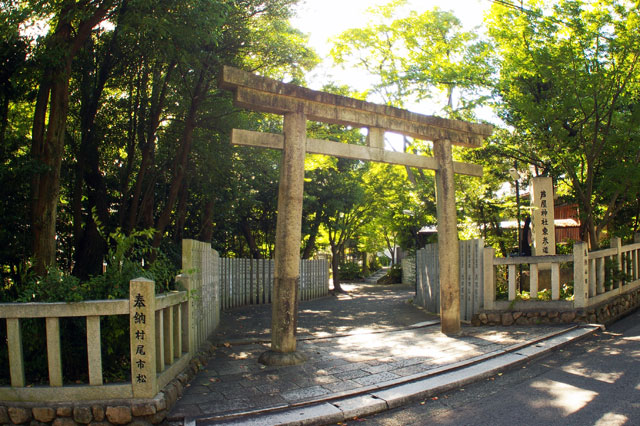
(566, 293)
(56, 286)
(146, 143)
(124, 263)
(133, 256)
(613, 275)
(502, 288)
(350, 271)
(423, 56)
(566, 248)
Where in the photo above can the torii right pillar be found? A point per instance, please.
(448, 247)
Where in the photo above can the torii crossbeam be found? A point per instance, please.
(297, 105)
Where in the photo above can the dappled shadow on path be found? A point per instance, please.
(354, 342)
(364, 308)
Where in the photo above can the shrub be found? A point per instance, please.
(127, 259)
(350, 271)
(394, 275)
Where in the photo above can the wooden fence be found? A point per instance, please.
(250, 281)
(471, 274)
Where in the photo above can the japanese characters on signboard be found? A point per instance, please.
(140, 319)
(142, 323)
(544, 240)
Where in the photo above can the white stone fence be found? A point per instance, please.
(606, 284)
(165, 333)
(596, 276)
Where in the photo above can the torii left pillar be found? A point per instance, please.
(287, 250)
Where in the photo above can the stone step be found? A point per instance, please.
(373, 279)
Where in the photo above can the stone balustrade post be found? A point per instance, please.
(489, 285)
(580, 274)
(616, 243)
(188, 322)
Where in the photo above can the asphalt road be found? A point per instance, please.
(593, 382)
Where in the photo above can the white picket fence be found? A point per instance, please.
(250, 281)
(471, 274)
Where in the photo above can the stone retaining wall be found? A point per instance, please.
(114, 412)
(603, 313)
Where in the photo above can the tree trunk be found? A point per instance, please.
(251, 241)
(125, 176)
(181, 160)
(365, 264)
(47, 147)
(90, 246)
(206, 227)
(313, 234)
(181, 213)
(391, 248)
(4, 118)
(142, 201)
(335, 268)
(49, 122)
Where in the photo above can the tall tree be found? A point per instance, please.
(148, 98)
(345, 208)
(399, 207)
(72, 23)
(415, 57)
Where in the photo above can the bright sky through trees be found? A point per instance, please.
(324, 19)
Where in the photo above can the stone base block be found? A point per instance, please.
(282, 358)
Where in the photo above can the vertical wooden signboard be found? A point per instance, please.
(542, 219)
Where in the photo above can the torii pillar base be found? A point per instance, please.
(282, 358)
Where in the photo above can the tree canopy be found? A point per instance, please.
(568, 86)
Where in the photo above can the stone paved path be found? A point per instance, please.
(375, 349)
(368, 307)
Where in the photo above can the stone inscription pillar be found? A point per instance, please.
(448, 248)
(287, 248)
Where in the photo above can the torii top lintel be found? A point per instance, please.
(267, 95)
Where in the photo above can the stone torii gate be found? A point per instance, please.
(297, 105)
